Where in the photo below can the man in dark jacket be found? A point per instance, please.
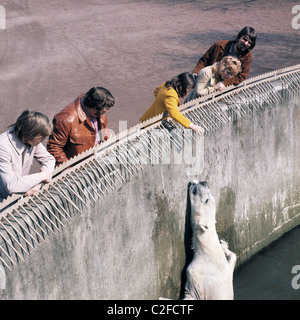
(241, 48)
(81, 125)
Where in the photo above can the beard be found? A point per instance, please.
(242, 47)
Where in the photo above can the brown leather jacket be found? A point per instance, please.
(219, 50)
(73, 132)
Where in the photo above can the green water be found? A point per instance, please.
(268, 276)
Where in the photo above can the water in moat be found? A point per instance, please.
(273, 274)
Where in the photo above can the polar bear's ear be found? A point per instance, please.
(203, 227)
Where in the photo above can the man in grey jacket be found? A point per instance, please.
(18, 147)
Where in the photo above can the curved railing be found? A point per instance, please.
(26, 222)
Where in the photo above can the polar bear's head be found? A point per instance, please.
(203, 208)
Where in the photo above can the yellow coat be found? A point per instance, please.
(166, 99)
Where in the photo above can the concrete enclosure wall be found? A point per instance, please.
(131, 241)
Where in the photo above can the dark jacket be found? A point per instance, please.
(219, 50)
(73, 132)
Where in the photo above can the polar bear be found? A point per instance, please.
(210, 274)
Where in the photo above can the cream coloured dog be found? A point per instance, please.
(210, 274)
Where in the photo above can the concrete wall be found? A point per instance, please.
(253, 170)
(128, 246)
(131, 244)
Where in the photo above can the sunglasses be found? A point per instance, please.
(246, 39)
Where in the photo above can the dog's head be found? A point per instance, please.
(203, 208)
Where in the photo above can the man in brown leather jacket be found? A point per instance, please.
(81, 125)
(241, 48)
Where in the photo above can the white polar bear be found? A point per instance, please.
(210, 274)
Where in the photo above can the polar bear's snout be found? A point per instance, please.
(195, 184)
(201, 190)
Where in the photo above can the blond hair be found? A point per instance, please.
(228, 62)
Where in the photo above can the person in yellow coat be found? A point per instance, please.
(167, 100)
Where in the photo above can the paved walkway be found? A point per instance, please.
(53, 50)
